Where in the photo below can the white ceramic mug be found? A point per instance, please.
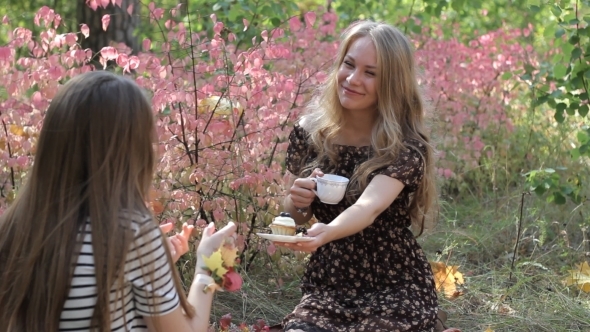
(330, 188)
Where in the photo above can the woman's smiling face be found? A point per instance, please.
(357, 77)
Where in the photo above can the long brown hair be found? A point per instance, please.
(400, 120)
(94, 160)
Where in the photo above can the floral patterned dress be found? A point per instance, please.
(375, 280)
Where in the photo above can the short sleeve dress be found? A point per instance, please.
(375, 280)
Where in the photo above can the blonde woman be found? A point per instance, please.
(79, 250)
(366, 271)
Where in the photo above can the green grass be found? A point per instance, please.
(479, 236)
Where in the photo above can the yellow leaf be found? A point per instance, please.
(447, 278)
(215, 264)
(580, 277)
(222, 107)
(229, 255)
(489, 329)
(17, 130)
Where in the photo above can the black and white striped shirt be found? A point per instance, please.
(142, 295)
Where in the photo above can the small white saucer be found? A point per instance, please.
(284, 238)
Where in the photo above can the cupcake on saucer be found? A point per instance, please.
(283, 225)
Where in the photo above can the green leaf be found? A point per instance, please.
(575, 83)
(559, 117)
(583, 110)
(561, 107)
(570, 111)
(587, 74)
(540, 190)
(559, 32)
(540, 100)
(556, 10)
(559, 71)
(575, 153)
(275, 21)
(574, 39)
(576, 53)
(549, 170)
(567, 190)
(535, 9)
(558, 198)
(507, 75)
(457, 5)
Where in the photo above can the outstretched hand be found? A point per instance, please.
(212, 240)
(320, 234)
(178, 243)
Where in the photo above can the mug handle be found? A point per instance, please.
(316, 185)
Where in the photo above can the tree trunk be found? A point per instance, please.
(121, 27)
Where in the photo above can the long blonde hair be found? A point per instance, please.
(94, 160)
(400, 120)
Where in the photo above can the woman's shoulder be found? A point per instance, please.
(300, 132)
(137, 220)
(414, 145)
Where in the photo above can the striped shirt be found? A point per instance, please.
(143, 295)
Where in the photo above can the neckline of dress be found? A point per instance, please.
(352, 146)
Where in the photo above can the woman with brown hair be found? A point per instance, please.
(79, 250)
(367, 272)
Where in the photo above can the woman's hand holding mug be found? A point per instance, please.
(302, 191)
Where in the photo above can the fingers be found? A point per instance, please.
(213, 240)
(316, 172)
(208, 231)
(303, 183)
(187, 230)
(165, 228)
(315, 229)
(175, 246)
(228, 230)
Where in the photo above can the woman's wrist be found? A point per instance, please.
(200, 266)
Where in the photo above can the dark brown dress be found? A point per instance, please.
(375, 280)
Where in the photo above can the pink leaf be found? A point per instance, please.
(310, 19)
(92, 4)
(271, 249)
(109, 53)
(133, 62)
(130, 10)
(232, 281)
(213, 18)
(218, 27)
(5, 19)
(104, 3)
(295, 24)
(147, 44)
(264, 35)
(225, 321)
(85, 30)
(106, 19)
(22, 162)
(56, 21)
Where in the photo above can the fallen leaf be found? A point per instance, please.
(489, 329)
(215, 264)
(447, 278)
(229, 255)
(580, 277)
